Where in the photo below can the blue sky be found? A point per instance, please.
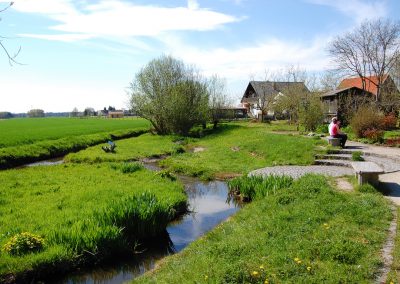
(84, 53)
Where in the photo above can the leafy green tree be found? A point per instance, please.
(170, 94)
(5, 114)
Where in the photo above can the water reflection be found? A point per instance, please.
(209, 205)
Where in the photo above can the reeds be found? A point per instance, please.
(251, 187)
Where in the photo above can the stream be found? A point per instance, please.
(209, 205)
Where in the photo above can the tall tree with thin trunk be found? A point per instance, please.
(369, 50)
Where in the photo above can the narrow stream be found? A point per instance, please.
(210, 204)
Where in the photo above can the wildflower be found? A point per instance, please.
(205, 277)
(255, 274)
(261, 267)
(266, 281)
(308, 268)
(296, 259)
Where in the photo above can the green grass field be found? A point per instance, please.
(82, 211)
(240, 148)
(306, 233)
(20, 131)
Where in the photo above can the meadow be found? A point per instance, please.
(28, 140)
(82, 213)
(21, 131)
(303, 232)
(292, 231)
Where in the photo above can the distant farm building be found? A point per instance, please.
(116, 114)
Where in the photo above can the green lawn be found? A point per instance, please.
(20, 131)
(240, 148)
(307, 233)
(82, 210)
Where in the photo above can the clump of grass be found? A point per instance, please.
(167, 174)
(126, 168)
(367, 188)
(251, 187)
(357, 156)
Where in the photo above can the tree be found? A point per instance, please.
(89, 111)
(370, 50)
(36, 113)
(217, 99)
(11, 58)
(74, 112)
(5, 115)
(170, 94)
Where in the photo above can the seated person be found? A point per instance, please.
(334, 131)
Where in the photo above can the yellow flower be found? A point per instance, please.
(261, 266)
(255, 274)
(308, 268)
(326, 224)
(298, 262)
(205, 277)
(266, 281)
(296, 259)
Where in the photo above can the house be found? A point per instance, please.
(115, 114)
(260, 93)
(353, 92)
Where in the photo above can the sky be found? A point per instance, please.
(84, 53)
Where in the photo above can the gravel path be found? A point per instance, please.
(298, 171)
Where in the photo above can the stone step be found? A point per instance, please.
(333, 157)
(328, 162)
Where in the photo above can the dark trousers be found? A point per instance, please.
(343, 139)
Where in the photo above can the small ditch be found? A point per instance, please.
(209, 205)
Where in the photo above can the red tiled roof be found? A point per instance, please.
(370, 83)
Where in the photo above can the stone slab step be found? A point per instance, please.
(328, 162)
(333, 157)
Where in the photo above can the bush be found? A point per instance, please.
(322, 128)
(374, 135)
(23, 243)
(365, 118)
(389, 122)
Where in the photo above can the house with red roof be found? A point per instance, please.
(352, 92)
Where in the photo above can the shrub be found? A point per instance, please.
(167, 174)
(374, 135)
(389, 122)
(322, 128)
(23, 243)
(365, 118)
(357, 156)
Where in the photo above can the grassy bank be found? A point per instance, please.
(82, 213)
(146, 145)
(307, 233)
(23, 154)
(240, 148)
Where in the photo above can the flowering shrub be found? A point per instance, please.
(23, 243)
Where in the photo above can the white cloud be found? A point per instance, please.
(242, 62)
(360, 10)
(116, 18)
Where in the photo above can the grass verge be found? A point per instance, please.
(82, 213)
(307, 233)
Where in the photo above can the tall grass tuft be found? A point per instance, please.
(253, 187)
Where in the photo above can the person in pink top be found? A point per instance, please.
(334, 131)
